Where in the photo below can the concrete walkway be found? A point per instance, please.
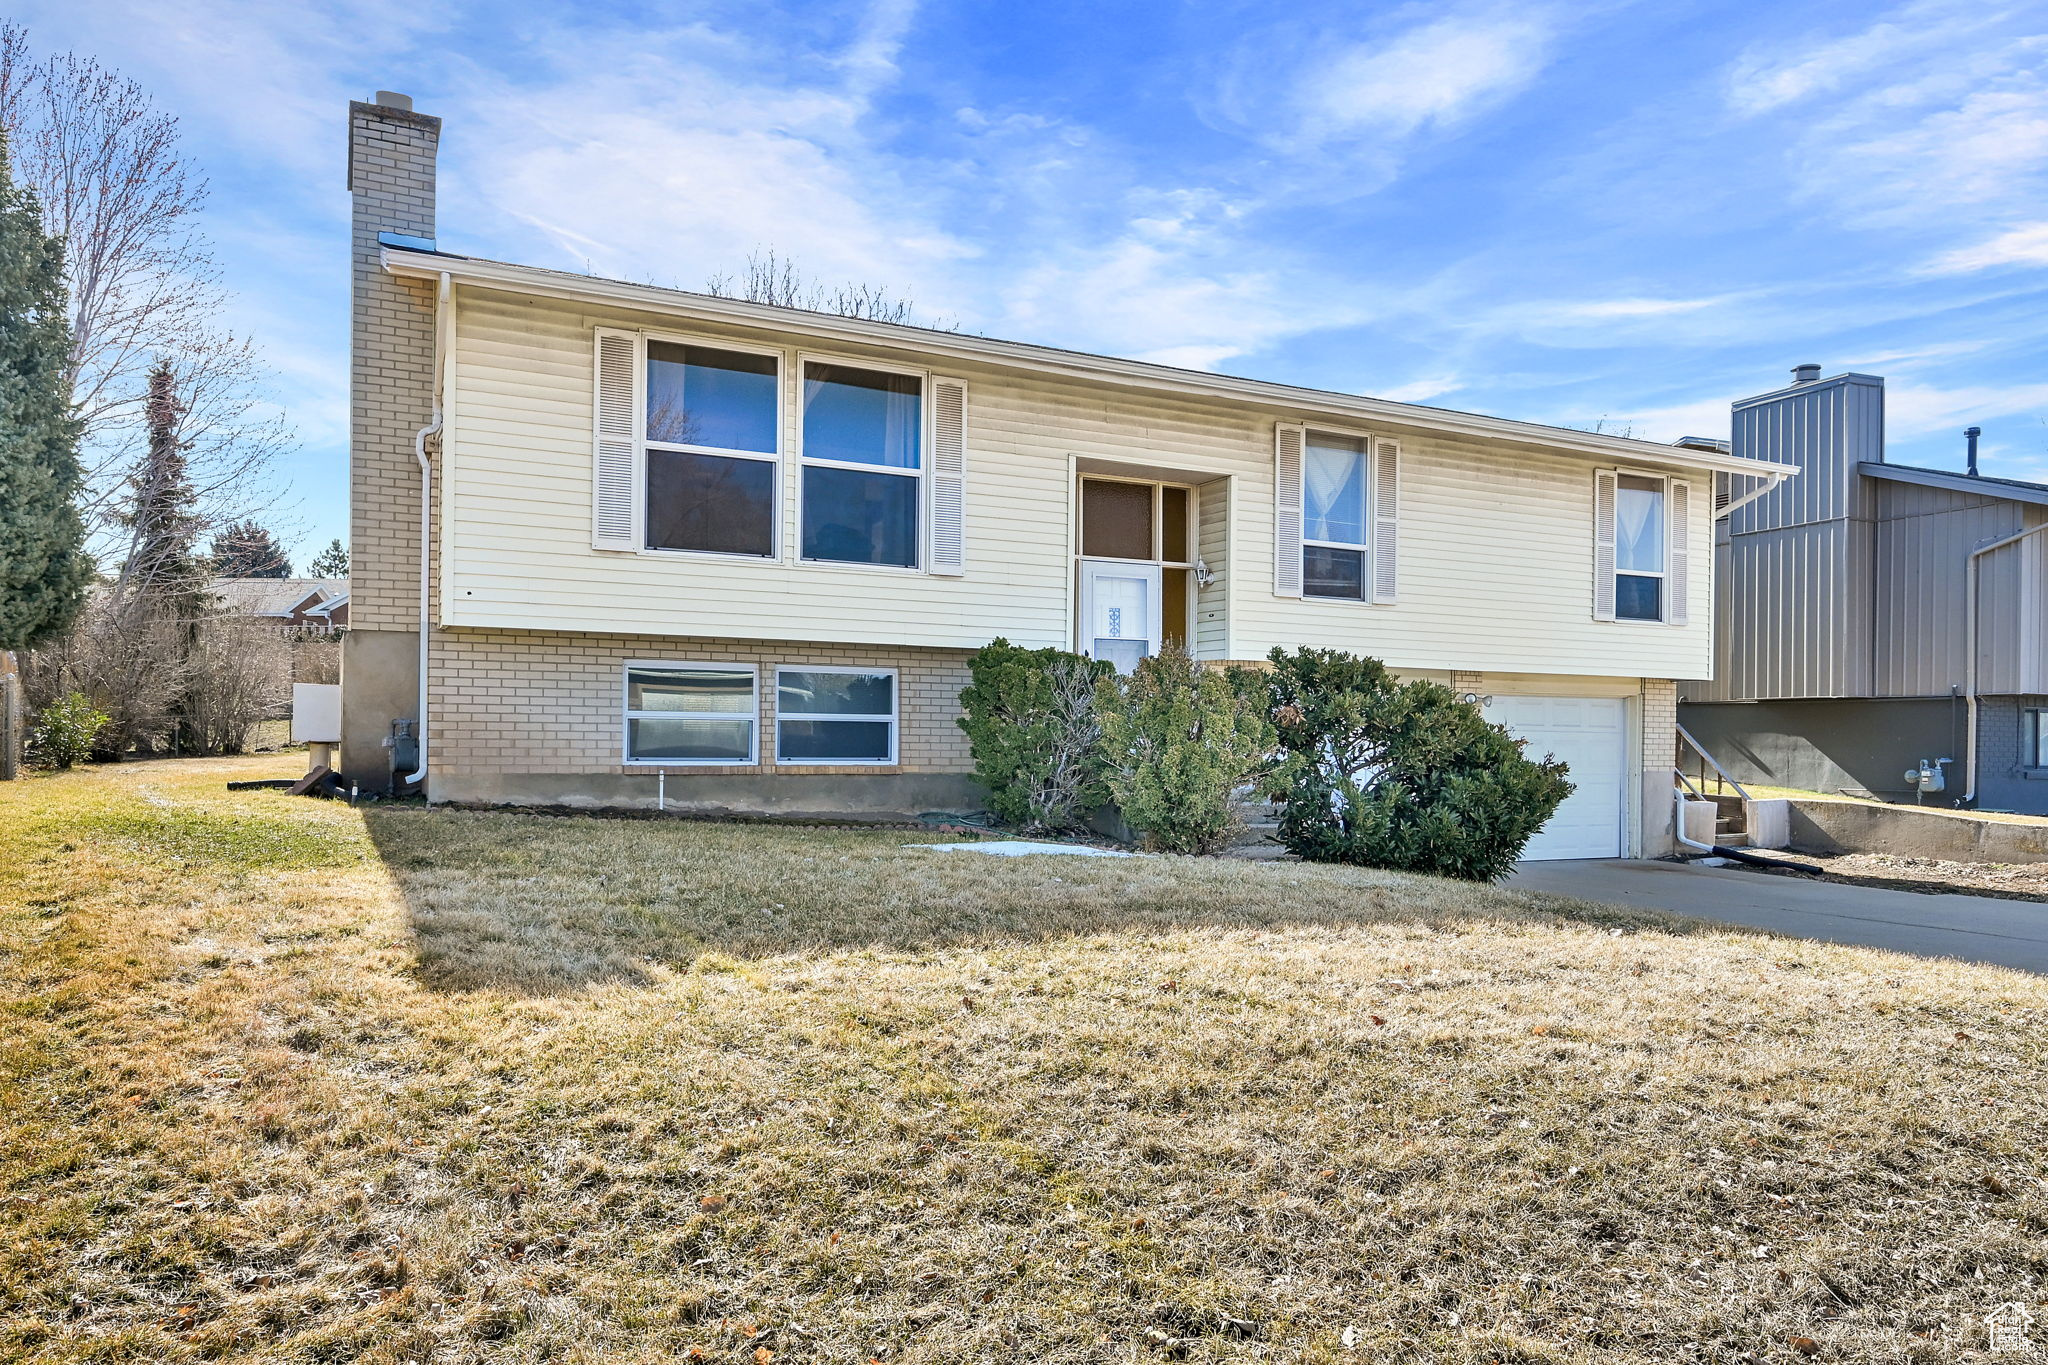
(1977, 928)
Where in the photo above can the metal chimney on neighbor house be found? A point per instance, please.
(1806, 374)
(1971, 434)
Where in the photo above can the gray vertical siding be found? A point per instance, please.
(1924, 539)
(1798, 585)
(2012, 637)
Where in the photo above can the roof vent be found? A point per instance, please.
(1702, 443)
(1806, 374)
(1971, 434)
(391, 99)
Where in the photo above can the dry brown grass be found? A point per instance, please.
(287, 1082)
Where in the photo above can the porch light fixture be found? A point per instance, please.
(1203, 578)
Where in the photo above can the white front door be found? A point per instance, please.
(1591, 735)
(1119, 612)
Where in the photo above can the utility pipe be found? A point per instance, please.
(1970, 648)
(443, 313)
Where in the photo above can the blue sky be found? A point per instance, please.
(1562, 213)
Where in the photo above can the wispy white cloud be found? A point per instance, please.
(2027, 245)
(1433, 74)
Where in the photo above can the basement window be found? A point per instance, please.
(835, 715)
(2034, 737)
(683, 713)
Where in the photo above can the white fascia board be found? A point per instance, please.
(1050, 360)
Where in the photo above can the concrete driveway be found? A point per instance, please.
(1977, 928)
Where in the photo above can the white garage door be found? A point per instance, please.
(1591, 735)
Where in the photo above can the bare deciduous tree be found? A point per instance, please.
(775, 279)
(114, 181)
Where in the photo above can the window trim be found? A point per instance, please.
(1663, 575)
(1158, 487)
(642, 445)
(895, 718)
(922, 474)
(1366, 549)
(627, 715)
(2033, 735)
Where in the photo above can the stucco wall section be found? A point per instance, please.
(506, 701)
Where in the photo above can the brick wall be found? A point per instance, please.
(391, 341)
(506, 702)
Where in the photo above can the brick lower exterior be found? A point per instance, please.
(507, 704)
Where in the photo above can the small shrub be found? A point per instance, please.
(1031, 724)
(1178, 744)
(1399, 775)
(64, 731)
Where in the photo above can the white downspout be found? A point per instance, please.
(442, 314)
(1737, 504)
(1970, 649)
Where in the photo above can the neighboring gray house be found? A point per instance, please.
(1872, 616)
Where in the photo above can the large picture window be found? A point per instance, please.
(863, 458)
(679, 713)
(835, 715)
(1639, 548)
(1334, 517)
(711, 430)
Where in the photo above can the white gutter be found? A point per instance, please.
(1770, 481)
(1970, 648)
(442, 352)
(1052, 360)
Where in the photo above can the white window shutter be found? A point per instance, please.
(1287, 454)
(1386, 514)
(949, 477)
(615, 457)
(1603, 544)
(1678, 543)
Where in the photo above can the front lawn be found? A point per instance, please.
(284, 1081)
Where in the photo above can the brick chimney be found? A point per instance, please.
(391, 152)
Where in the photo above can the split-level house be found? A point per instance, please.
(1875, 619)
(721, 556)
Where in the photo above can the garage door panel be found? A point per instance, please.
(1590, 735)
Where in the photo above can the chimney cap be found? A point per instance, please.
(1806, 374)
(391, 99)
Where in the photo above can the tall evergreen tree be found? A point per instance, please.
(331, 562)
(246, 550)
(161, 515)
(43, 568)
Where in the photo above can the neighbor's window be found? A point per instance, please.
(711, 449)
(2034, 738)
(863, 457)
(835, 715)
(1639, 549)
(1333, 522)
(690, 713)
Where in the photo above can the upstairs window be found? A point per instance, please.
(1639, 548)
(711, 433)
(863, 464)
(1334, 517)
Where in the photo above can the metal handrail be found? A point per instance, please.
(1699, 749)
(1686, 783)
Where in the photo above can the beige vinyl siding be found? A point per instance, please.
(1496, 539)
(1496, 572)
(1212, 547)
